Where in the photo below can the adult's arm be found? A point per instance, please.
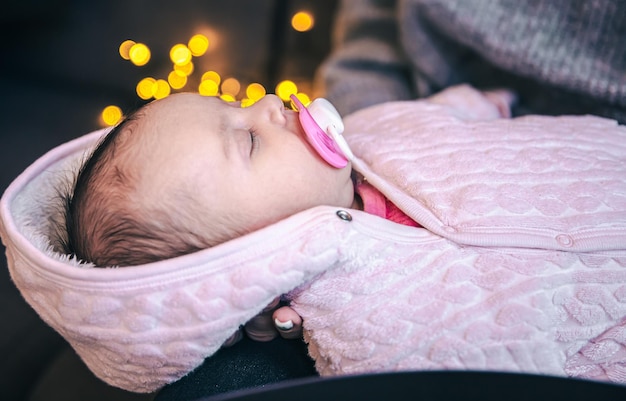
(366, 65)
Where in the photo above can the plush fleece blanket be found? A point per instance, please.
(520, 266)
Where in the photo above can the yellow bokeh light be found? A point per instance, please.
(111, 115)
(231, 86)
(302, 21)
(139, 54)
(162, 89)
(208, 88)
(245, 102)
(255, 91)
(184, 69)
(125, 48)
(286, 88)
(303, 98)
(146, 88)
(228, 97)
(177, 80)
(198, 45)
(211, 76)
(180, 54)
(205, 32)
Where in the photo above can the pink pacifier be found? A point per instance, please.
(323, 127)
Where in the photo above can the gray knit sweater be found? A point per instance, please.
(561, 56)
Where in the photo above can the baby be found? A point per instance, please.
(189, 172)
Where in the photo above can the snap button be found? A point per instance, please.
(343, 215)
(565, 240)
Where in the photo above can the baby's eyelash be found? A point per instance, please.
(254, 142)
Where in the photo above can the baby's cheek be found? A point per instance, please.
(339, 191)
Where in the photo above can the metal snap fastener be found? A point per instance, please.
(343, 215)
(565, 240)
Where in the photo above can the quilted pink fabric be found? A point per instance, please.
(526, 270)
(538, 182)
(521, 265)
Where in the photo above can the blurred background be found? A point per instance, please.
(62, 62)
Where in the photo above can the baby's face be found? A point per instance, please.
(251, 162)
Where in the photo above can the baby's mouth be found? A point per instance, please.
(293, 123)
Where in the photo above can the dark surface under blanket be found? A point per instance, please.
(246, 365)
(427, 385)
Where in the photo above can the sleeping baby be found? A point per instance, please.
(189, 172)
(463, 238)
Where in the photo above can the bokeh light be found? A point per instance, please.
(212, 76)
(302, 21)
(246, 102)
(255, 91)
(124, 48)
(111, 115)
(162, 89)
(208, 88)
(303, 98)
(146, 88)
(184, 69)
(139, 54)
(210, 82)
(286, 88)
(231, 86)
(177, 80)
(198, 45)
(180, 54)
(228, 97)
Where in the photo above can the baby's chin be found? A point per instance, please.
(345, 188)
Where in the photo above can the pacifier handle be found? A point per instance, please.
(323, 127)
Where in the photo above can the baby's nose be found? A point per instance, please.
(275, 107)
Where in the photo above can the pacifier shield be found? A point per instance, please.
(326, 116)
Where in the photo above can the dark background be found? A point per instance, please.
(59, 67)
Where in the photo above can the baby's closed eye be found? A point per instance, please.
(254, 142)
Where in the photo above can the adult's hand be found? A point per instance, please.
(273, 321)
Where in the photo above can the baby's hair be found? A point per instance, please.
(107, 222)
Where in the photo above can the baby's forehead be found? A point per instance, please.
(181, 109)
(183, 100)
(175, 123)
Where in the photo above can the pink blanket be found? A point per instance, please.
(521, 265)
